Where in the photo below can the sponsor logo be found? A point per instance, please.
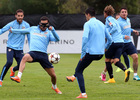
(23, 27)
(9, 50)
(110, 24)
(45, 32)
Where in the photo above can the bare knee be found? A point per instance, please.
(26, 58)
(135, 57)
(53, 75)
(116, 60)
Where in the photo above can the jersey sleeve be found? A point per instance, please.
(109, 39)
(23, 31)
(85, 39)
(5, 28)
(54, 36)
(112, 26)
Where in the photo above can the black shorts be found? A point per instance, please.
(129, 48)
(114, 51)
(85, 62)
(42, 58)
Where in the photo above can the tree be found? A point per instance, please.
(72, 6)
(99, 5)
(29, 6)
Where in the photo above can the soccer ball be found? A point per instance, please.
(54, 58)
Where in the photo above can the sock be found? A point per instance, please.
(19, 74)
(135, 74)
(104, 72)
(73, 76)
(54, 86)
(120, 65)
(109, 68)
(83, 93)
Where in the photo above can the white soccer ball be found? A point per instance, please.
(54, 58)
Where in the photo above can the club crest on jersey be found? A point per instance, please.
(110, 24)
(23, 27)
(45, 32)
(9, 50)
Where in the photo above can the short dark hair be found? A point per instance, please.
(123, 8)
(90, 11)
(44, 18)
(19, 10)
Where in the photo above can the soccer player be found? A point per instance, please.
(39, 39)
(14, 44)
(115, 50)
(126, 60)
(125, 56)
(129, 48)
(93, 47)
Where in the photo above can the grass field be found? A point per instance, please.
(36, 85)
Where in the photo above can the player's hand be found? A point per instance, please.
(10, 29)
(106, 50)
(127, 37)
(136, 32)
(50, 28)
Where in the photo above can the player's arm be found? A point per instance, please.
(135, 31)
(28, 35)
(23, 31)
(112, 25)
(85, 40)
(5, 28)
(55, 35)
(109, 39)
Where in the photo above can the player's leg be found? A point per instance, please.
(52, 74)
(108, 56)
(26, 58)
(118, 69)
(117, 60)
(131, 50)
(103, 74)
(18, 54)
(44, 62)
(84, 63)
(135, 66)
(10, 53)
(110, 71)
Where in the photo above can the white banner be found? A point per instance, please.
(70, 42)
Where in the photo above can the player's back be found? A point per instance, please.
(96, 38)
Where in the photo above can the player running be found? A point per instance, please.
(129, 48)
(14, 44)
(115, 50)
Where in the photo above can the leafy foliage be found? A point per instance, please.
(65, 6)
(131, 5)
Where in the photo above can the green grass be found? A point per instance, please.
(36, 85)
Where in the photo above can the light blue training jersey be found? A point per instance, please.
(39, 40)
(125, 28)
(15, 41)
(93, 40)
(113, 27)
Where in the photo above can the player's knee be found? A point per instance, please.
(53, 75)
(9, 63)
(107, 60)
(25, 57)
(135, 57)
